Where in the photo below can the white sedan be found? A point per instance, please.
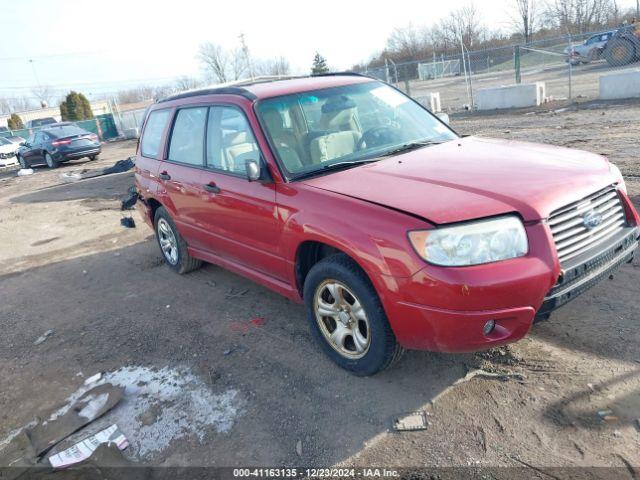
(8, 152)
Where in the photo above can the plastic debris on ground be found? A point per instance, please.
(83, 450)
(607, 415)
(43, 338)
(118, 167)
(128, 222)
(69, 419)
(411, 422)
(93, 378)
(25, 171)
(130, 200)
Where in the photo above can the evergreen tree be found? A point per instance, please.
(15, 122)
(319, 65)
(75, 107)
(86, 107)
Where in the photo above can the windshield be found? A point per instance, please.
(66, 131)
(313, 130)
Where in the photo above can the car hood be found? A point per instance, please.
(8, 148)
(474, 178)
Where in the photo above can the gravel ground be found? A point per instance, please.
(115, 308)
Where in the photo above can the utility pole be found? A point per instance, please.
(35, 74)
(247, 57)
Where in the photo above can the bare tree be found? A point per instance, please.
(239, 64)
(407, 41)
(525, 19)
(215, 61)
(464, 23)
(135, 95)
(278, 66)
(45, 94)
(579, 16)
(184, 83)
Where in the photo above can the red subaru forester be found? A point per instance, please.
(341, 192)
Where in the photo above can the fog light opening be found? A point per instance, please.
(488, 327)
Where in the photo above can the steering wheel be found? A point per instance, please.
(377, 136)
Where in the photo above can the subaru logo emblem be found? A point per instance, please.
(591, 219)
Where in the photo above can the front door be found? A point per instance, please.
(241, 218)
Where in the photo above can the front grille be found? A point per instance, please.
(570, 234)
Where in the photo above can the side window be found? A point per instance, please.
(152, 135)
(187, 136)
(230, 141)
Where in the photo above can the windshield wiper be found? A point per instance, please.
(407, 147)
(334, 166)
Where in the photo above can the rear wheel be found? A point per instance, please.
(51, 163)
(347, 318)
(619, 52)
(172, 245)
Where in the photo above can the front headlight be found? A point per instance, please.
(472, 243)
(618, 174)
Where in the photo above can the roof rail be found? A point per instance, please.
(235, 87)
(334, 74)
(211, 91)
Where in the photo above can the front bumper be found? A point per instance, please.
(513, 293)
(584, 272)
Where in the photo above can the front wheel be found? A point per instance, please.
(93, 157)
(172, 245)
(23, 163)
(347, 318)
(51, 163)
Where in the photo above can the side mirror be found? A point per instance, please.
(253, 170)
(257, 171)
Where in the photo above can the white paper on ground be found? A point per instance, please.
(83, 450)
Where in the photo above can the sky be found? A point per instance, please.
(100, 47)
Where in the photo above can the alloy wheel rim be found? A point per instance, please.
(49, 160)
(342, 319)
(168, 242)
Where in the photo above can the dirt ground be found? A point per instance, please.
(237, 377)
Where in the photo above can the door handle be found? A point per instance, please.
(212, 187)
(164, 176)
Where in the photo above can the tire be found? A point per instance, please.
(93, 157)
(51, 163)
(23, 163)
(619, 52)
(371, 346)
(177, 257)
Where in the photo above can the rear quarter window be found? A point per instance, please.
(152, 135)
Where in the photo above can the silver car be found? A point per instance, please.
(589, 51)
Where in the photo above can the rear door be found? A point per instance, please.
(150, 150)
(180, 174)
(240, 217)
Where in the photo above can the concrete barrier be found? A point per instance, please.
(620, 85)
(431, 100)
(511, 96)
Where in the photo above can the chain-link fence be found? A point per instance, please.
(570, 66)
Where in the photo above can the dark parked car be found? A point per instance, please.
(58, 143)
(40, 122)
